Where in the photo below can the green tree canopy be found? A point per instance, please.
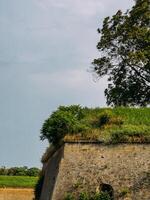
(124, 48)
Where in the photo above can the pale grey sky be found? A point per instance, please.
(46, 50)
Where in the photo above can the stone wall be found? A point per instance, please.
(51, 170)
(84, 166)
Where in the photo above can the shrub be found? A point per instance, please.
(63, 121)
(101, 196)
(84, 196)
(69, 196)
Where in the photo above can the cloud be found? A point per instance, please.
(88, 7)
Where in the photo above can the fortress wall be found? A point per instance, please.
(51, 169)
(84, 166)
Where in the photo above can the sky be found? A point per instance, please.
(46, 50)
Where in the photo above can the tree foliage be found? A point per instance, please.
(125, 56)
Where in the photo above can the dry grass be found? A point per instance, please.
(16, 194)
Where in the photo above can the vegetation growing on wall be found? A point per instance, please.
(86, 196)
(99, 124)
(65, 120)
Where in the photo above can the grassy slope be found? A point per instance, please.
(124, 125)
(18, 181)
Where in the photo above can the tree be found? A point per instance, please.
(124, 48)
(34, 171)
(19, 171)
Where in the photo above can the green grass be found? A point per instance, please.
(117, 125)
(134, 116)
(18, 181)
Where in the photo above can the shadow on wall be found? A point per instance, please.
(50, 173)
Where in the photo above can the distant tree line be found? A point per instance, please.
(19, 171)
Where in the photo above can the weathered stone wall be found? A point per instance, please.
(51, 169)
(84, 166)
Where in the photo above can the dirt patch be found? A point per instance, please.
(16, 194)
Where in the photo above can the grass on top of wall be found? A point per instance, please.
(117, 125)
(109, 125)
(18, 181)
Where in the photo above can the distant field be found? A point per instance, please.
(18, 181)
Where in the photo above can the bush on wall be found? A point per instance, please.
(64, 120)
